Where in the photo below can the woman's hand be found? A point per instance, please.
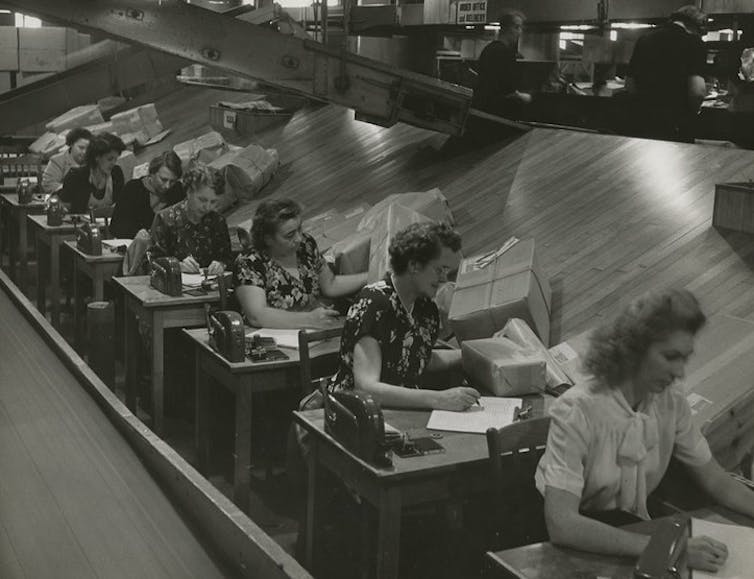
(706, 554)
(215, 268)
(324, 318)
(456, 399)
(190, 265)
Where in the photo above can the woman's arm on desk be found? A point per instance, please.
(569, 528)
(367, 367)
(253, 302)
(726, 491)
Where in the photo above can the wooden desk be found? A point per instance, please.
(461, 470)
(160, 312)
(98, 268)
(244, 379)
(17, 232)
(48, 261)
(545, 560)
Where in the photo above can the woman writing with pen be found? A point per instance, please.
(387, 345)
(193, 231)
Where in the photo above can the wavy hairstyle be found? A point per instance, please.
(269, 216)
(198, 174)
(617, 349)
(102, 144)
(421, 243)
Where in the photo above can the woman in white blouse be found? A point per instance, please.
(612, 437)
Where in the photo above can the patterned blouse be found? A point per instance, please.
(405, 339)
(283, 290)
(174, 235)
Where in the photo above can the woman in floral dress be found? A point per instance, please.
(389, 333)
(280, 280)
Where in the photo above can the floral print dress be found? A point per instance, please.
(284, 291)
(405, 339)
(174, 235)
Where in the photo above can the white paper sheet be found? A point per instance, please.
(195, 279)
(494, 412)
(116, 243)
(739, 541)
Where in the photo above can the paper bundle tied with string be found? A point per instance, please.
(503, 284)
(503, 367)
(519, 332)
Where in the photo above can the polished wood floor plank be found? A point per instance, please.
(613, 216)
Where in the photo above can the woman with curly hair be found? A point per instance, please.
(611, 438)
(389, 333)
(192, 230)
(280, 280)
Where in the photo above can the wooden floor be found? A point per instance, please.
(75, 501)
(613, 216)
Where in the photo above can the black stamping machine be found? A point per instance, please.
(55, 211)
(165, 275)
(89, 238)
(356, 421)
(25, 191)
(665, 555)
(227, 334)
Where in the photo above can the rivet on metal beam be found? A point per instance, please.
(289, 61)
(134, 13)
(211, 53)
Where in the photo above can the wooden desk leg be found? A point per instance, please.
(314, 505)
(55, 279)
(388, 533)
(242, 464)
(42, 257)
(22, 249)
(131, 353)
(98, 285)
(158, 371)
(76, 297)
(202, 416)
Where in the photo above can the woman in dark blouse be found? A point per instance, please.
(192, 231)
(98, 184)
(390, 331)
(280, 280)
(142, 198)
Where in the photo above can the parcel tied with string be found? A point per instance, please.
(504, 368)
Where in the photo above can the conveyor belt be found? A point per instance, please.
(75, 500)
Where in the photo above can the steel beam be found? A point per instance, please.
(377, 92)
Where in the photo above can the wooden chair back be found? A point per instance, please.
(514, 452)
(326, 364)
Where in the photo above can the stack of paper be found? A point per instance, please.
(195, 279)
(492, 412)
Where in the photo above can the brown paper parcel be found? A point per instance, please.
(513, 286)
(503, 367)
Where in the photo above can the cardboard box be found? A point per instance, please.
(393, 218)
(127, 122)
(81, 116)
(8, 48)
(207, 148)
(248, 170)
(45, 49)
(432, 204)
(502, 367)
(519, 332)
(512, 286)
(150, 121)
(140, 171)
(569, 356)
(333, 226)
(48, 144)
(100, 128)
(351, 255)
(734, 207)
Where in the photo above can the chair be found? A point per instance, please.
(327, 364)
(514, 452)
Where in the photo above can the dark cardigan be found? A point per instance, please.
(133, 210)
(77, 188)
